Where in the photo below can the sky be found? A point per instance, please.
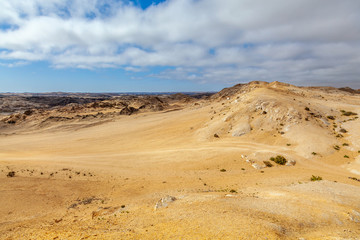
(176, 45)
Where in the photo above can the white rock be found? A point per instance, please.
(257, 166)
(291, 163)
(249, 161)
(164, 202)
(355, 216)
(238, 134)
(230, 195)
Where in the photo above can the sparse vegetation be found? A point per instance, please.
(101, 149)
(315, 178)
(355, 179)
(268, 164)
(346, 156)
(279, 160)
(347, 113)
(336, 147)
(342, 130)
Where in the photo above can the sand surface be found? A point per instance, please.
(103, 181)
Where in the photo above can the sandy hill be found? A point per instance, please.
(244, 163)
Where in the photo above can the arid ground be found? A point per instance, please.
(183, 167)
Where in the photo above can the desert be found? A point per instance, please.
(254, 161)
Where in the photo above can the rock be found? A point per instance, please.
(325, 121)
(250, 161)
(241, 129)
(257, 166)
(290, 163)
(355, 216)
(28, 112)
(128, 111)
(238, 134)
(164, 202)
(106, 211)
(230, 195)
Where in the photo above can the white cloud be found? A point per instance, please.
(204, 40)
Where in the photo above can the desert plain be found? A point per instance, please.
(184, 167)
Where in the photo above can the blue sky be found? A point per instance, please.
(176, 45)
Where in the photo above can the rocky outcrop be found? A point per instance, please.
(164, 202)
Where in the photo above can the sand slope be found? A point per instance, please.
(98, 179)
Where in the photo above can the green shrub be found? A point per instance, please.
(346, 156)
(345, 144)
(331, 117)
(315, 178)
(314, 153)
(233, 191)
(223, 170)
(279, 160)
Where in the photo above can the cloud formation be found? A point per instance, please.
(230, 41)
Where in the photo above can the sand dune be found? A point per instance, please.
(101, 177)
